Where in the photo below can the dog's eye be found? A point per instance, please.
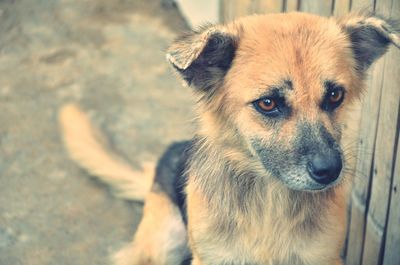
(336, 95)
(266, 106)
(333, 98)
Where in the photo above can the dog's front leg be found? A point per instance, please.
(161, 236)
(196, 261)
(339, 262)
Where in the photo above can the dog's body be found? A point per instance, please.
(263, 181)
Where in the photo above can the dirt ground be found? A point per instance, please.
(107, 56)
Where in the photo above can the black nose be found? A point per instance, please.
(325, 168)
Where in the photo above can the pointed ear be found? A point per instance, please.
(370, 36)
(203, 58)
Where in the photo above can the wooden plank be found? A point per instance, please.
(366, 143)
(360, 194)
(320, 7)
(384, 7)
(243, 8)
(392, 253)
(222, 11)
(384, 152)
(292, 5)
(232, 9)
(226, 11)
(362, 4)
(343, 253)
(268, 6)
(341, 7)
(366, 146)
(356, 232)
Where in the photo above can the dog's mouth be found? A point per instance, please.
(306, 173)
(303, 164)
(301, 178)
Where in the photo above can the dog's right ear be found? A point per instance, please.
(203, 58)
(370, 36)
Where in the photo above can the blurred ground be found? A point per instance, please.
(108, 57)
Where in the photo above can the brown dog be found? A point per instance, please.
(263, 181)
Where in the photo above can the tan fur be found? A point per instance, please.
(238, 211)
(254, 68)
(85, 146)
(272, 238)
(161, 236)
(270, 235)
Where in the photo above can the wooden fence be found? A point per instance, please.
(374, 210)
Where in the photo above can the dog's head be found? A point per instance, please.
(274, 89)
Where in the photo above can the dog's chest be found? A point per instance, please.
(275, 245)
(275, 240)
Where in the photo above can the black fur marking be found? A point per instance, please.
(212, 64)
(207, 71)
(312, 139)
(187, 261)
(274, 156)
(277, 157)
(288, 84)
(171, 174)
(368, 43)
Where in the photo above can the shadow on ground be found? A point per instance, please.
(108, 57)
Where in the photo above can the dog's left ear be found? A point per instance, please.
(203, 58)
(370, 36)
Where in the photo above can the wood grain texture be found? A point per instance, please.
(391, 252)
(226, 11)
(356, 232)
(232, 9)
(291, 5)
(268, 6)
(362, 4)
(366, 145)
(384, 151)
(341, 7)
(321, 7)
(243, 8)
(384, 7)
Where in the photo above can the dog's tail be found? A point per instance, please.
(86, 147)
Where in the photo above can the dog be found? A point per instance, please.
(264, 179)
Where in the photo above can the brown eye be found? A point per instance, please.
(336, 96)
(267, 104)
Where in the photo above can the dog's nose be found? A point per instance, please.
(325, 168)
